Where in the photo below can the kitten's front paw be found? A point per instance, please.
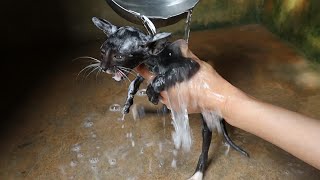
(152, 95)
(126, 109)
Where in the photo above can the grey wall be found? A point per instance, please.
(207, 14)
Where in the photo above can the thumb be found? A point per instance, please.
(144, 72)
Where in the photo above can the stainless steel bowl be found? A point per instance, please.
(160, 12)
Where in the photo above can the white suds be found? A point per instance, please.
(180, 121)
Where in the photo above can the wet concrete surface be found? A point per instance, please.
(66, 130)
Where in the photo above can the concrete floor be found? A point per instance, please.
(68, 132)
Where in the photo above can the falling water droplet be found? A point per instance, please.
(115, 108)
(174, 163)
(228, 148)
(94, 160)
(73, 163)
(138, 112)
(88, 124)
(112, 162)
(161, 163)
(142, 92)
(76, 148)
(79, 155)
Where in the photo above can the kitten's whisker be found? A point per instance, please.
(92, 71)
(119, 70)
(86, 57)
(99, 70)
(87, 67)
(128, 71)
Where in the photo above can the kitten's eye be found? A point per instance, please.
(118, 57)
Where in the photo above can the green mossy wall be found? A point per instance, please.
(211, 14)
(296, 21)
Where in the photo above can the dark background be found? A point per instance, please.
(35, 34)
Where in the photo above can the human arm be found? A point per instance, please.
(293, 132)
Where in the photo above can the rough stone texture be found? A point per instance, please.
(66, 131)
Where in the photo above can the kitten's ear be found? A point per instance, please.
(105, 26)
(158, 42)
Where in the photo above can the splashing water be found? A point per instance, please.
(73, 163)
(88, 124)
(76, 148)
(181, 136)
(142, 92)
(94, 160)
(80, 155)
(227, 148)
(138, 112)
(174, 163)
(115, 108)
(180, 121)
(122, 117)
(112, 161)
(212, 119)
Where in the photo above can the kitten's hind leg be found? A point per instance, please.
(228, 139)
(206, 141)
(133, 88)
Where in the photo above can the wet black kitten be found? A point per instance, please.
(127, 47)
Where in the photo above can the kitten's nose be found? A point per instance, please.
(108, 71)
(103, 66)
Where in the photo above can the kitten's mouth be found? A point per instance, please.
(118, 75)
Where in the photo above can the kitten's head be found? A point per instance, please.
(126, 47)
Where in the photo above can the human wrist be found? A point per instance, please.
(227, 100)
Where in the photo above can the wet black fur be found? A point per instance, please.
(129, 47)
(171, 68)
